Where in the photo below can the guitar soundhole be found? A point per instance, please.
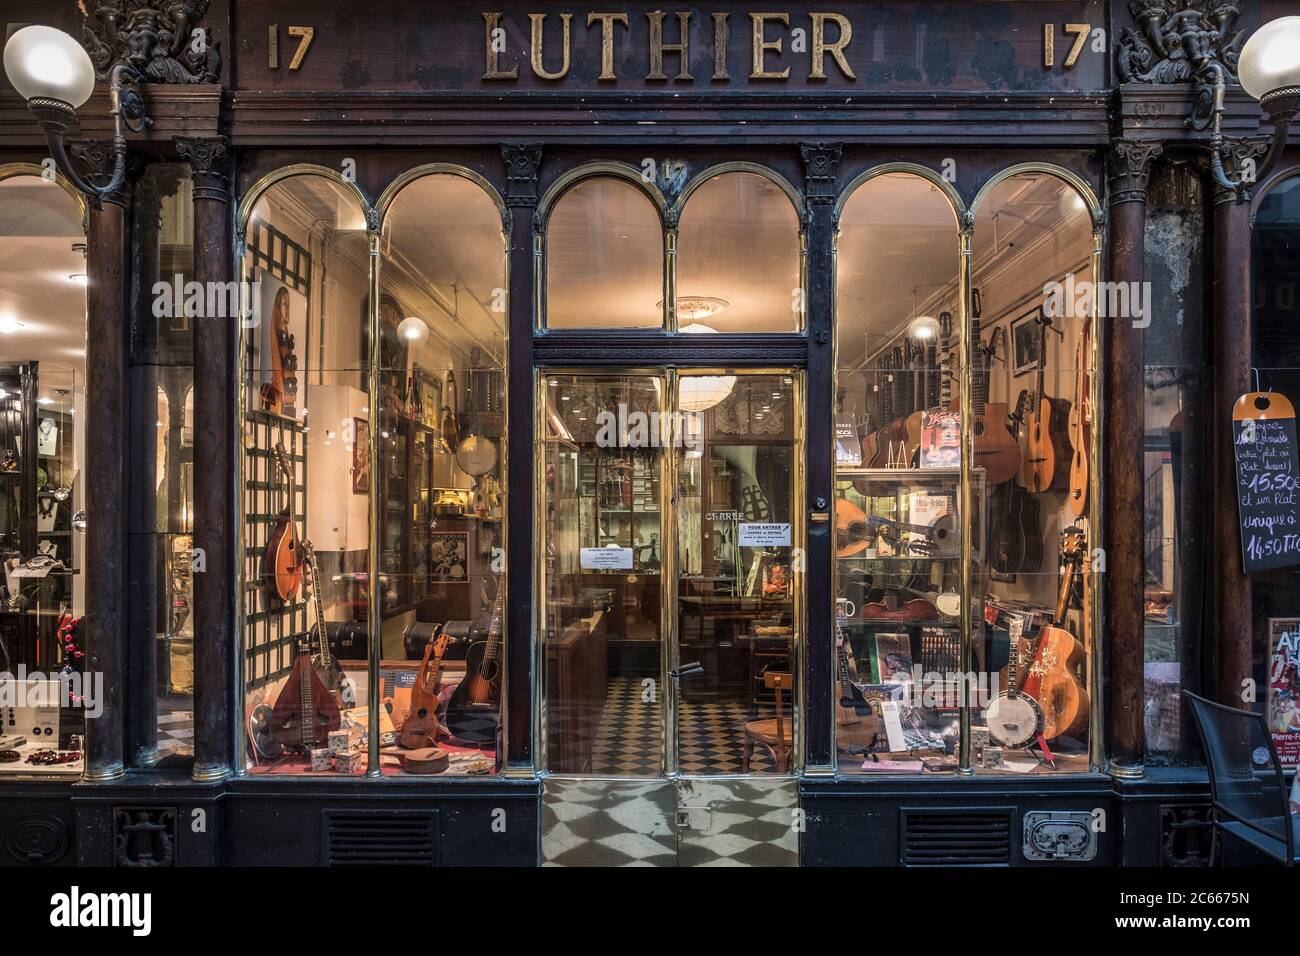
(979, 428)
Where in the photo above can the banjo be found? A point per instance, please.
(1014, 718)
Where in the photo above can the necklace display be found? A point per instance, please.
(49, 758)
(10, 756)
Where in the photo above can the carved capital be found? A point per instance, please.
(820, 162)
(1130, 169)
(1240, 157)
(523, 160)
(97, 159)
(207, 157)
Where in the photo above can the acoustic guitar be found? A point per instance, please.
(282, 564)
(474, 711)
(857, 723)
(305, 711)
(1047, 444)
(328, 668)
(1016, 544)
(995, 449)
(855, 531)
(1059, 657)
(1081, 426)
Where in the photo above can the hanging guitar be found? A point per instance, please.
(1016, 546)
(995, 448)
(450, 424)
(1047, 445)
(305, 711)
(328, 668)
(474, 711)
(1081, 427)
(282, 566)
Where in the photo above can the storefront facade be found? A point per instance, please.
(793, 437)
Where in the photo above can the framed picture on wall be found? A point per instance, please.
(360, 456)
(427, 398)
(281, 343)
(1025, 342)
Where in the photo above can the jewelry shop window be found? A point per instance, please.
(912, 672)
(47, 691)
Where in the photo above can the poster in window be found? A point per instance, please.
(447, 555)
(360, 456)
(281, 337)
(1284, 688)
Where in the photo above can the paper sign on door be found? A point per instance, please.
(764, 534)
(606, 559)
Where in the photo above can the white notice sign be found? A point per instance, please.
(764, 534)
(606, 559)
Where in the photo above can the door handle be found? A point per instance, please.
(684, 670)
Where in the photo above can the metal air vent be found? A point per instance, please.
(956, 838)
(380, 838)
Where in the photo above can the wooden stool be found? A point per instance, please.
(777, 734)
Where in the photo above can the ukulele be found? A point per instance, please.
(328, 668)
(474, 711)
(1014, 717)
(1052, 679)
(305, 711)
(1047, 446)
(421, 727)
(1081, 427)
(995, 448)
(282, 566)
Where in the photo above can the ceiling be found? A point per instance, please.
(46, 310)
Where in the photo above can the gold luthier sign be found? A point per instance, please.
(769, 34)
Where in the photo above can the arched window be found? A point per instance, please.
(604, 257)
(738, 257)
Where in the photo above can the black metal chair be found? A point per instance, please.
(1247, 789)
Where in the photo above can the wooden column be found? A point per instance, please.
(214, 467)
(1123, 431)
(820, 163)
(1231, 378)
(104, 471)
(522, 163)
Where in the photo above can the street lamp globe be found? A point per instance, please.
(45, 63)
(1270, 60)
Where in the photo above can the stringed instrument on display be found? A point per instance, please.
(856, 531)
(1081, 426)
(305, 711)
(1053, 676)
(474, 711)
(1016, 545)
(450, 416)
(857, 722)
(1047, 444)
(1014, 718)
(995, 448)
(282, 563)
(328, 668)
(879, 457)
(420, 728)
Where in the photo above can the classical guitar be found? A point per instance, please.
(1081, 426)
(305, 711)
(421, 727)
(1014, 718)
(328, 668)
(474, 710)
(1047, 444)
(995, 450)
(1053, 676)
(282, 564)
(1016, 544)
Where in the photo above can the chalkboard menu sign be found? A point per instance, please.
(1268, 470)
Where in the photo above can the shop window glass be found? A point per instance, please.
(308, 479)
(1033, 569)
(738, 257)
(897, 457)
(1276, 349)
(42, 452)
(604, 258)
(160, 509)
(441, 470)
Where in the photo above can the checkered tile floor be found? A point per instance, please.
(175, 732)
(711, 739)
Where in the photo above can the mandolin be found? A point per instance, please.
(1053, 679)
(305, 711)
(1047, 444)
(420, 728)
(282, 564)
(474, 711)
(1081, 427)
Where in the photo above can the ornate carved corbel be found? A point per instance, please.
(820, 162)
